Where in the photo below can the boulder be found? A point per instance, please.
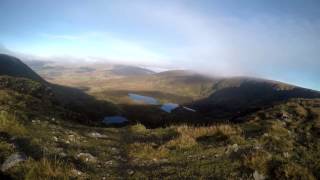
(96, 135)
(258, 176)
(87, 157)
(13, 160)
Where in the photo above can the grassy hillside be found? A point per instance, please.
(235, 97)
(74, 99)
(281, 142)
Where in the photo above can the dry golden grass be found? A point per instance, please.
(47, 169)
(9, 124)
(257, 160)
(189, 134)
(293, 171)
(147, 151)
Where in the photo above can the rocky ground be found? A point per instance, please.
(277, 143)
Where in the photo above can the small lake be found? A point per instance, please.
(143, 99)
(108, 120)
(168, 107)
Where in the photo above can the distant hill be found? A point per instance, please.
(238, 96)
(12, 66)
(184, 77)
(123, 70)
(224, 97)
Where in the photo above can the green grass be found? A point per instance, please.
(173, 152)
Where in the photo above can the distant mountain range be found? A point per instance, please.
(218, 97)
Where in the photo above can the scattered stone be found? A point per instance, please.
(76, 172)
(109, 162)
(258, 176)
(55, 139)
(286, 155)
(119, 158)
(87, 157)
(257, 147)
(72, 138)
(232, 148)
(62, 154)
(96, 135)
(130, 172)
(36, 121)
(12, 161)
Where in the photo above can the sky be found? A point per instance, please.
(273, 39)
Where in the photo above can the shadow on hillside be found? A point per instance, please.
(4, 176)
(155, 94)
(89, 108)
(249, 97)
(153, 117)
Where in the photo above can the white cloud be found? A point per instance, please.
(177, 34)
(60, 36)
(237, 46)
(97, 46)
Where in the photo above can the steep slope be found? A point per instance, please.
(237, 96)
(73, 99)
(40, 139)
(12, 66)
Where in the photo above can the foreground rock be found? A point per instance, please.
(13, 160)
(96, 135)
(258, 176)
(87, 157)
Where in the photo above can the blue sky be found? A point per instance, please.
(274, 39)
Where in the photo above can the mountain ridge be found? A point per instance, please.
(12, 66)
